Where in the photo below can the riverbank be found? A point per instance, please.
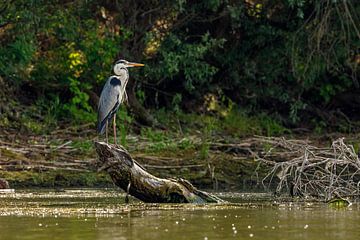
(210, 152)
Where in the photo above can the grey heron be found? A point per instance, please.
(112, 95)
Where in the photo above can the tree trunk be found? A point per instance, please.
(143, 116)
(134, 179)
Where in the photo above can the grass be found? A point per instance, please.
(235, 123)
(160, 140)
(182, 127)
(83, 144)
(240, 124)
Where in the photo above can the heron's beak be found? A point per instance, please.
(130, 64)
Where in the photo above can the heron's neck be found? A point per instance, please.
(123, 80)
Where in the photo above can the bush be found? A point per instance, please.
(290, 59)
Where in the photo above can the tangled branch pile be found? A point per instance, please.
(41, 156)
(309, 171)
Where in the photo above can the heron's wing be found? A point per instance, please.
(109, 102)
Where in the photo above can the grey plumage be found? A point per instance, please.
(111, 97)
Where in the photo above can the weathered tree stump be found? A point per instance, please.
(134, 179)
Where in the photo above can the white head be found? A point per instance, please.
(120, 67)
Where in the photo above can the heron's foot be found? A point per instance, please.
(127, 193)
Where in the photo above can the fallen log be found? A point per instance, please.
(129, 175)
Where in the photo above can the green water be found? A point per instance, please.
(101, 214)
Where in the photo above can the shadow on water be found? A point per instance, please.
(102, 214)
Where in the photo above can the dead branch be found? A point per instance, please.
(323, 173)
(134, 179)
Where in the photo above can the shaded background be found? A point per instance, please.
(293, 61)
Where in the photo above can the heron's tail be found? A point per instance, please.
(101, 126)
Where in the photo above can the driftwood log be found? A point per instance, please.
(129, 175)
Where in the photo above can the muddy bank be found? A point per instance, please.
(220, 172)
(64, 160)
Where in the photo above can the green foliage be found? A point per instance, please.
(58, 50)
(298, 5)
(339, 203)
(282, 57)
(158, 140)
(140, 94)
(285, 60)
(52, 111)
(233, 123)
(239, 124)
(165, 141)
(15, 58)
(83, 145)
(270, 126)
(206, 136)
(178, 58)
(78, 106)
(31, 125)
(176, 103)
(185, 144)
(153, 135)
(124, 121)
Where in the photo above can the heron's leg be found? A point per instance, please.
(106, 132)
(127, 192)
(114, 126)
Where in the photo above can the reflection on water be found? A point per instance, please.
(103, 215)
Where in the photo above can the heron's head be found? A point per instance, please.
(120, 65)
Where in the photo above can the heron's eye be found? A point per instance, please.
(122, 61)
